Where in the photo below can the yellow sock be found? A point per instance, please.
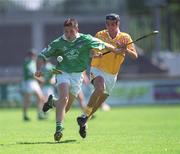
(88, 110)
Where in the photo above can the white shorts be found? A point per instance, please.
(109, 79)
(31, 86)
(73, 79)
(48, 90)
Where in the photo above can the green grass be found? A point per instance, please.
(125, 130)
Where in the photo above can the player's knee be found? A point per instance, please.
(98, 81)
(100, 90)
(67, 109)
(64, 100)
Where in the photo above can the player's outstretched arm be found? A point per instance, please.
(39, 64)
(127, 48)
(116, 50)
(110, 47)
(132, 53)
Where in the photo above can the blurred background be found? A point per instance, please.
(152, 79)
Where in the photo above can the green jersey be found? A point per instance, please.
(29, 68)
(76, 54)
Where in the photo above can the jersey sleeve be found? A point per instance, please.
(49, 51)
(95, 43)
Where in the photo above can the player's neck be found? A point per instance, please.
(71, 39)
(113, 34)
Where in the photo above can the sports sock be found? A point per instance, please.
(88, 111)
(59, 126)
(41, 115)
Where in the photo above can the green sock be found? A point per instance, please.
(41, 114)
(59, 126)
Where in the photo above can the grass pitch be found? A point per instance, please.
(125, 130)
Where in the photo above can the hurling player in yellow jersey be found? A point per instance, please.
(104, 70)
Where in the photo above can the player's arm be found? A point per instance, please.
(95, 53)
(44, 54)
(131, 51)
(39, 65)
(127, 49)
(111, 47)
(96, 43)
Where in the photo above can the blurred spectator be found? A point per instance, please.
(31, 86)
(48, 80)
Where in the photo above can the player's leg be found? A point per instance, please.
(70, 101)
(109, 84)
(97, 96)
(52, 101)
(80, 99)
(40, 99)
(48, 92)
(82, 120)
(98, 104)
(98, 82)
(103, 84)
(76, 83)
(63, 93)
(26, 103)
(27, 92)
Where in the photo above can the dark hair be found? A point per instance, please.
(31, 53)
(71, 22)
(113, 16)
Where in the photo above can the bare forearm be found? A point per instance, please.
(39, 63)
(132, 53)
(110, 47)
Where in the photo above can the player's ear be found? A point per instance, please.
(117, 22)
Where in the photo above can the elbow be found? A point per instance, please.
(134, 56)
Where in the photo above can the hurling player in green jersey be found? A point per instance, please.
(31, 86)
(75, 49)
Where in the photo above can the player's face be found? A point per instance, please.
(112, 25)
(70, 32)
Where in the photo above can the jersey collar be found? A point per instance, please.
(116, 34)
(77, 36)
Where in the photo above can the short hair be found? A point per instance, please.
(113, 16)
(31, 52)
(71, 22)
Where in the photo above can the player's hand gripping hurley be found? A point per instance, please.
(53, 70)
(138, 39)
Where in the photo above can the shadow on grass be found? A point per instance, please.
(61, 142)
(7, 144)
